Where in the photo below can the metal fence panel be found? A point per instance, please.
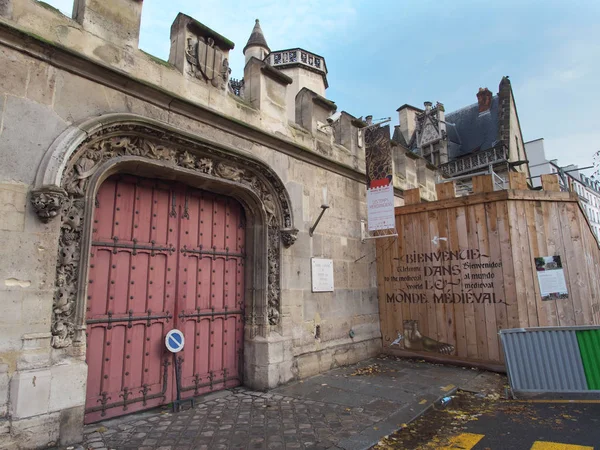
(589, 345)
(543, 360)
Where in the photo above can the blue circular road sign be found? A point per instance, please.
(174, 341)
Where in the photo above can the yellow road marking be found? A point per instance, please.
(539, 445)
(465, 441)
(557, 401)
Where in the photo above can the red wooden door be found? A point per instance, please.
(163, 256)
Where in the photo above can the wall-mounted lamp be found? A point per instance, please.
(324, 206)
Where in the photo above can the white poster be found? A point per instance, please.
(551, 277)
(380, 204)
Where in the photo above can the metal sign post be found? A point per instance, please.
(175, 341)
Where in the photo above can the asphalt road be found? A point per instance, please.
(519, 426)
(471, 422)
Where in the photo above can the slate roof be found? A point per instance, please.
(472, 131)
(257, 37)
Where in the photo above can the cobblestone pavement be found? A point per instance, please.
(347, 408)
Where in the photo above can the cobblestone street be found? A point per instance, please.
(346, 408)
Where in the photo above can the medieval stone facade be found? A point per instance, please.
(80, 104)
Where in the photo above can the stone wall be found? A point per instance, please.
(56, 73)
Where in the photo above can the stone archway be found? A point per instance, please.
(84, 156)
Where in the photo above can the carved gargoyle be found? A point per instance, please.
(47, 202)
(289, 236)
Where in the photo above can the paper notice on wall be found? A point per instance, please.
(380, 173)
(380, 203)
(551, 277)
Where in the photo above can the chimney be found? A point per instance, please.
(484, 99)
(369, 120)
(407, 118)
(428, 106)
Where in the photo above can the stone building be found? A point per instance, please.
(484, 137)
(140, 195)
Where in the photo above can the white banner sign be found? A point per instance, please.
(380, 204)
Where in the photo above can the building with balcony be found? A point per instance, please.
(570, 179)
(484, 137)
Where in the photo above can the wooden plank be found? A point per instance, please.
(550, 182)
(394, 325)
(412, 196)
(448, 320)
(527, 264)
(438, 310)
(457, 240)
(517, 181)
(426, 315)
(573, 251)
(486, 197)
(515, 240)
(499, 308)
(408, 247)
(480, 241)
(532, 235)
(566, 314)
(483, 183)
(508, 268)
(474, 328)
(486, 309)
(446, 190)
(382, 272)
(541, 217)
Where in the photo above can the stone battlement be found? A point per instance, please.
(102, 40)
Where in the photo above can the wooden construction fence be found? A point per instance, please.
(462, 268)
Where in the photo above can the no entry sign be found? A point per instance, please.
(174, 341)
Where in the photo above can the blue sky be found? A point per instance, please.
(382, 54)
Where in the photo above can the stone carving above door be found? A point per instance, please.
(120, 141)
(207, 61)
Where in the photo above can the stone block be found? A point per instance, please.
(25, 266)
(34, 359)
(120, 102)
(117, 21)
(30, 393)
(28, 129)
(296, 273)
(6, 9)
(308, 365)
(268, 352)
(13, 197)
(359, 277)
(37, 307)
(12, 221)
(4, 385)
(37, 432)
(11, 336)
(77, 98)
(42, 82)
(13, 72)
(10, 305)
(302, 248)
(340, 274)
(71, 425)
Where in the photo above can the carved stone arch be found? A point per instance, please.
(82, 157)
